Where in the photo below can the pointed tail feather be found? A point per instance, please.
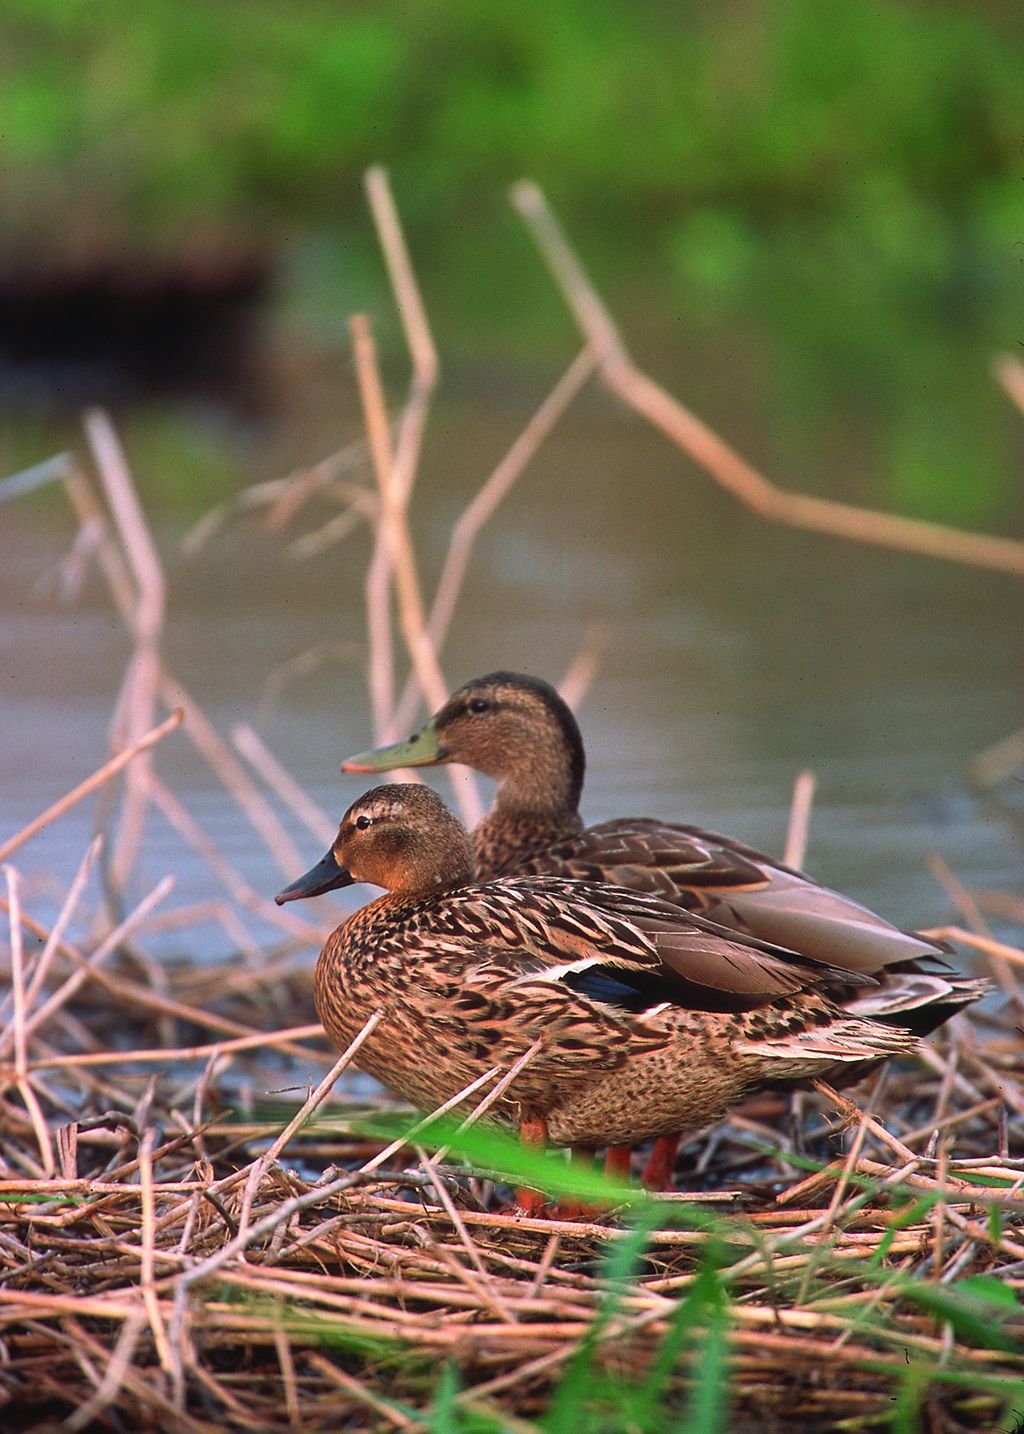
(847, 1040)
(917, 1000)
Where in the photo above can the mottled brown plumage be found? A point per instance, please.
(518, 730)
(649, 1019)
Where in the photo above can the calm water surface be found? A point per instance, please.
(736, 655)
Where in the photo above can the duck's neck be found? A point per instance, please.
(504, 838)
(384, 917)
(546, 780)
(536, 803)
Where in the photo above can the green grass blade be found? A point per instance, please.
(708, 1408)
(971, 1310)
(500, 1154)
(693, 1313)
(577, 1386)
(910, 1393)
(444, 1413)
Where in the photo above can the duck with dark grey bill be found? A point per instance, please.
(647, 1019)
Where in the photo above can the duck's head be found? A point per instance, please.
(508, 726)
(401, 837)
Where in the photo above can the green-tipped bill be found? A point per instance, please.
(422, 749)
(325, 876)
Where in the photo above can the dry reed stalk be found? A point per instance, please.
(1009, 372)
(130, 994)
(283, 1041)
(494, 1094)
(1002, 967)
(795, 849)
(362, 1396)
(54, 937)
(322, 477)
(308, 661)
(420, 342)
(283, 498)
(175, 696)
(457, 1099)
(502, 1086)
(311, 1104)
(485, 1293)
(998, 950)
(732, 472)
(291, 1392)
(232, 879)
(232, 775)
(84, 789)
(20, 1031)
(484, 504)
(113, 1379)
(394, 497)
(90, 512)
(111, 942)
(138, 709)
(281, 1215)
(72, 569)
(1000, 903)
(395, 560)
(282, 783)
(50, 470)
(855, 1114)
(149, 1298)
(328, 535)
(580, 673)
(394, 489)
(997, 763)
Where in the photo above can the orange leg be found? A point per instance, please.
(661, 1163)
(531, 1202)
(616, 1162)
(570, 1207)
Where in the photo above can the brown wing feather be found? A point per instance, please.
(560, 921)
(732, 884)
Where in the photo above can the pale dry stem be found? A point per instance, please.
(395, 554)
(90, 785)
(1009, 372)
(282, 783)
(485, 503)
(795, 850)
(711, 452)
(311, 1104)
(420, 342)
(137, 708)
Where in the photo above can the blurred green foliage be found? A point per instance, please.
(167, 110)
(846, 176)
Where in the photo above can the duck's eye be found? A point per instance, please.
(479, 704)
(363, 822)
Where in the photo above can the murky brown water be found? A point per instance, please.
(737, 654)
